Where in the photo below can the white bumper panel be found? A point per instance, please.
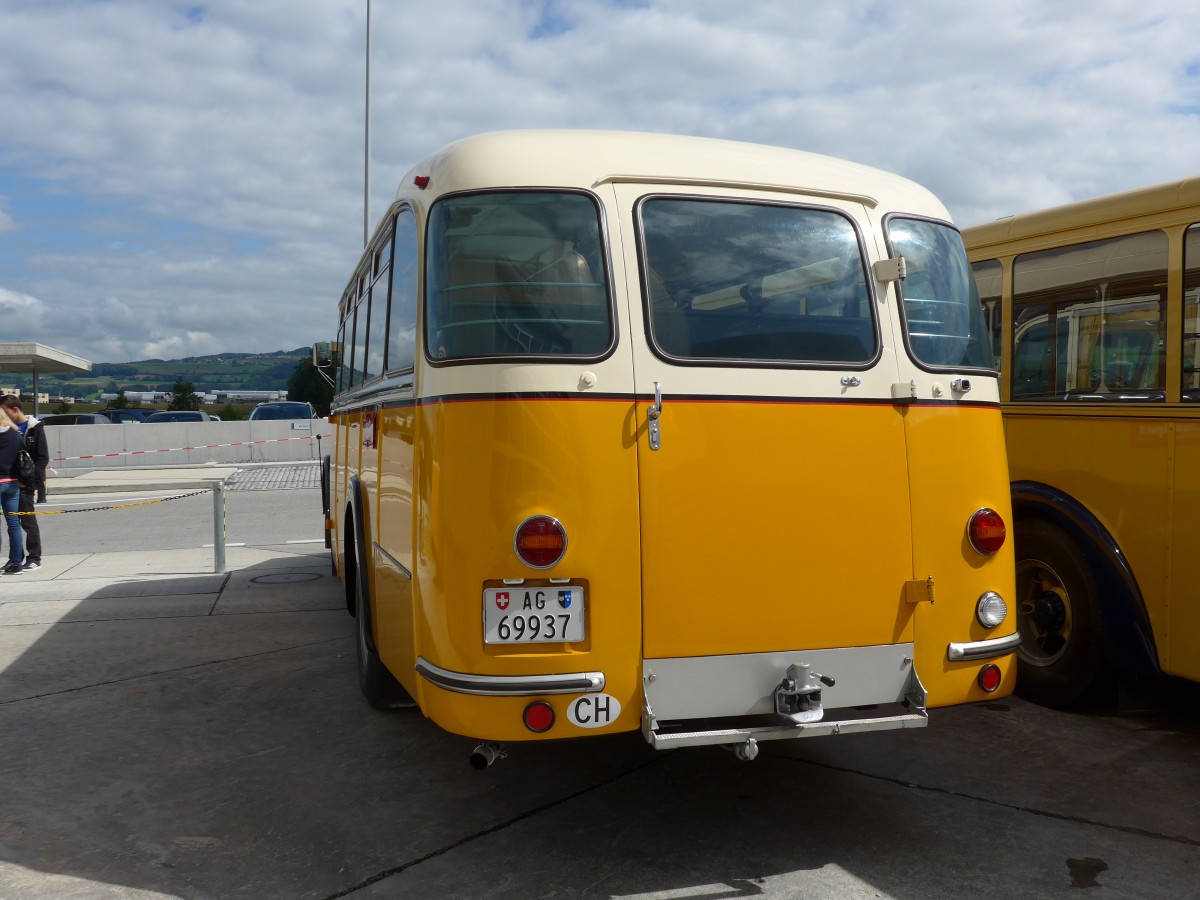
(701, 687)
(696, 701)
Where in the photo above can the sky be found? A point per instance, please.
(184, 179)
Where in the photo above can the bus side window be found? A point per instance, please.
(1191, 315)
(343, 359)
(358, 359)
(508, 275)
(402, 311)
(1096, 315)
(988, 275)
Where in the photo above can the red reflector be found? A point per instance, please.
(990, 677)
(538, 716)
(540, 541)
(421, 181)
(986, 531)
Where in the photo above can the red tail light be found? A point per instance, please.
(538, 716)
(540, 541)
(990, 677)
(986, 531)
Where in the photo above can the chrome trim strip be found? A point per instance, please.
(660, 741)
(394, 388)
(395, 562)
(511, 685)
(984, 649)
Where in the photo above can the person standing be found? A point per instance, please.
(33, 439)
(10, 491)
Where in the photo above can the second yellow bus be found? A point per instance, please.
(1096, 321)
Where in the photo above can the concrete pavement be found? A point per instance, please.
(87, 637)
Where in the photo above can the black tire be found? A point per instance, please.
(378, 685)
(1060, 662)
(349, 565)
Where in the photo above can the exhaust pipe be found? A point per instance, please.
(486, 754)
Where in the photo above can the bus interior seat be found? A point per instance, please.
(669, 321)
(545, 305)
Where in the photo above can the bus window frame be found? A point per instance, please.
(1058, 300)
(732, 363)
(414, 283)
(380, 267)
(604, 252)
(1190, 282)
(901, 305)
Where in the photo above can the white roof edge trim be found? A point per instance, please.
(864, 199)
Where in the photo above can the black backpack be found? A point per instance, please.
(26, 470)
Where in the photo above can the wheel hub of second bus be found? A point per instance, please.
(1050, 612)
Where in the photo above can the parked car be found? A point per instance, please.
(283, 409)
(177, 415)
(122, 416)
(74, 419)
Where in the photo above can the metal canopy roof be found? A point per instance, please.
(38, 359)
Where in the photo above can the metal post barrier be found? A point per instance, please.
(219, 526)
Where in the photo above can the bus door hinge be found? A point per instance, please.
(919, 591)
(904, 390)
(892, 269)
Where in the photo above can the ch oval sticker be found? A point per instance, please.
(594, 710)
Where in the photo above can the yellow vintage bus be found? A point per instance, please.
(653, 432)
(1094, 311)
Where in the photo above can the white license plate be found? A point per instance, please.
(533, 615)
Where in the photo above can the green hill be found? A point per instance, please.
(224, 371)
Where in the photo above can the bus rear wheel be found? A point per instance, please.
(1061, 657)
(378, 685)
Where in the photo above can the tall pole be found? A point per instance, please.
(367, 139)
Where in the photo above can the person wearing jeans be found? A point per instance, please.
(33, 439)
(10, 492)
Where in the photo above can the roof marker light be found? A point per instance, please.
(421, 181)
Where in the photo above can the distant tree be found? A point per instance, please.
(182, 396)
(121, 402)
(62, 407)
(229, 414)
(111, 387)
(306, 383)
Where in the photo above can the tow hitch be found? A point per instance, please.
(799, 694)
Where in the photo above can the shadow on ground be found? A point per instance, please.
(202, 736)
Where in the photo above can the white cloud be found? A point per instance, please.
(16, 307)
(195, 180)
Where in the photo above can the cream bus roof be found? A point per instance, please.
(1178, 201)
(587, 159)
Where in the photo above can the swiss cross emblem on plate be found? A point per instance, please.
(502, 600)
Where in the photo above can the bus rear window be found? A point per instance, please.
(943, 318)
(517, 273)
(755, 283)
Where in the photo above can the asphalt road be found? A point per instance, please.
(231, 756)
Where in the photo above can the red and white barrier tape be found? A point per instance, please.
(197, 447)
